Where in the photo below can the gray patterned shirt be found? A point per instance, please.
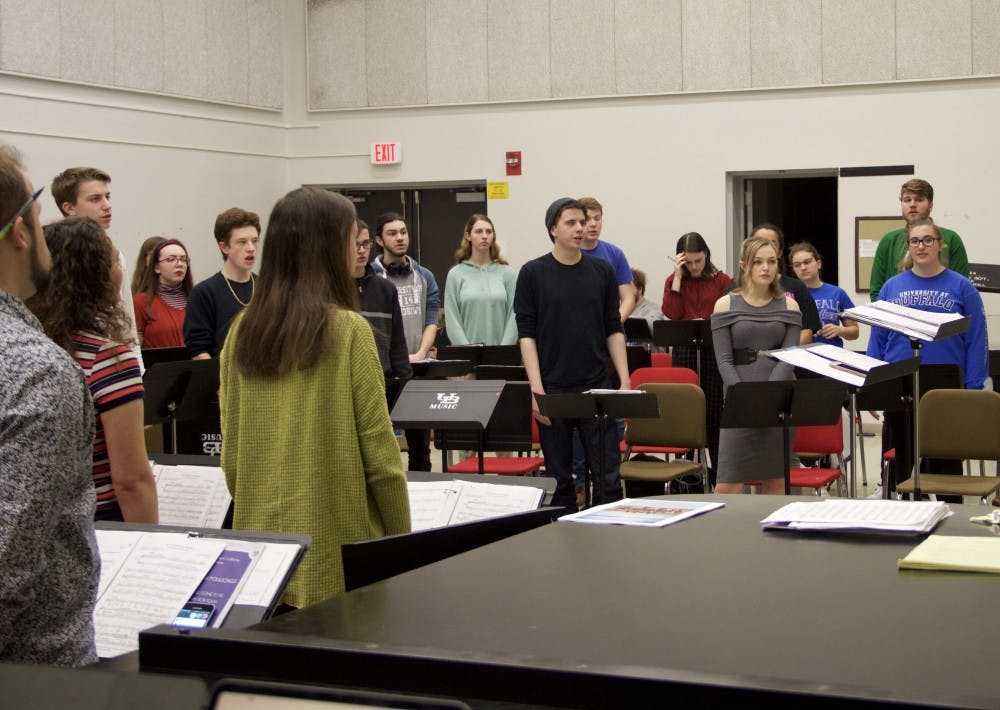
(49, 561)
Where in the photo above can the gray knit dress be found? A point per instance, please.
(752, 454)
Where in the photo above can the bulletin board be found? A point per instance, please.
(868, 232)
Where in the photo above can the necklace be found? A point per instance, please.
(234, 292)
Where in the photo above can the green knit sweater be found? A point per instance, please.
(313, 452)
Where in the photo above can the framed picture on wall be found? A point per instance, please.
(868, 232)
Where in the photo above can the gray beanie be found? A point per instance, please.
(552, 213)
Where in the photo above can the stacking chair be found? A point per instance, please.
(661, 359)
(826, 440)
(660, 374)
(958, 424)
(681, 424)
(510, 429)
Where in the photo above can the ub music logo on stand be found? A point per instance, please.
(446, 400)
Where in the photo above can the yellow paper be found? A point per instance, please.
(955, 554)
(497, 190)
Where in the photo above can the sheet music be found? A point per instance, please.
(806, 359)
(923, 325)
(848, 514)
(478, 501)
(431, 503)
(191, 496)
(156, 580)
(114, 546)
(858, 360)
(268, 573)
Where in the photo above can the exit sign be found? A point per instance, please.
(386, 153)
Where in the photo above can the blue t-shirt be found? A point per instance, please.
(614, 256)
(948, 292)
(830, 300)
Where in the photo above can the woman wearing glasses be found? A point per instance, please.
(162, 298)
(927, 285)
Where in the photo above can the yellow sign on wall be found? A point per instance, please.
(497, 190)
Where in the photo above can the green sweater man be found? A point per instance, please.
(917, 200)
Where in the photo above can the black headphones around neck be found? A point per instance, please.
(401, 268)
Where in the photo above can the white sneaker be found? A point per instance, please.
(876, 494)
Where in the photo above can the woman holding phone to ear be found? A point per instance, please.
(690, 293)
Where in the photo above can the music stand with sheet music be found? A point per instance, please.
(440, 369)
(452, 404)
(180, 391)
(638, 330)
(602, 405)
(695, 333)
(882, 381)
(786, 403)
(908, 322)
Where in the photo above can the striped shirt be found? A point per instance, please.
(112, 372)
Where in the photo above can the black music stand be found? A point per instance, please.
(602, 405)
(154, 356)
(472, 352)
(455, 404)
(502, 355)
(695, 333)
(510, 373)
(787, 403)
(439, 369)
(871, 316)
(637, 330)
(180, 391)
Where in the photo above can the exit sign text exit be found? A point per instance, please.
(386, 153)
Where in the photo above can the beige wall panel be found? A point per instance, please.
(859, 41)
(185, 48)
(228, 50)
(336, 54)
(82, 56)
(396, 36)
(648, 46)
(785, 48)
(519, 58)
(21, 48)
(266, 65)
(456, 51)
(933, 38)
(986, 36)
(583, 47)
(138, 45)
(716, 44)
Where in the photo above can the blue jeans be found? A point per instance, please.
(557, 448)
(580, 460)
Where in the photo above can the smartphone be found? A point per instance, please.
(194, 616)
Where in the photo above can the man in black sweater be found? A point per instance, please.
(566, 305)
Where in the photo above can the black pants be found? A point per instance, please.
(418, 441)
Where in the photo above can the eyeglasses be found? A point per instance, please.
(175, 260)
(20, 212)
(926, 241)
(363, 246)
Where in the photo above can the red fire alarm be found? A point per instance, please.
(513, 162)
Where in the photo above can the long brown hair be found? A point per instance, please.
(694, 243)
(139, 276)
(304, 271)
(151, 280)
(464, 251)
(81, 295)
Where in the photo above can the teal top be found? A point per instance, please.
(479, 304)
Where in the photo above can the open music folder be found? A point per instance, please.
(914, 323)
(435, 504)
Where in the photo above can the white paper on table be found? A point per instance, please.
(158, 577)
(114, 546)
(847, 514)
(478, 501)
(267, 574)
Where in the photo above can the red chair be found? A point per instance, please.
(826, 440)
(661, 359)
(669, 375)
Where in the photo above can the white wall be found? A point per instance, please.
(660, 165)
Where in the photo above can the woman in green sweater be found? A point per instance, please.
(307, 443)
(479, 291)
